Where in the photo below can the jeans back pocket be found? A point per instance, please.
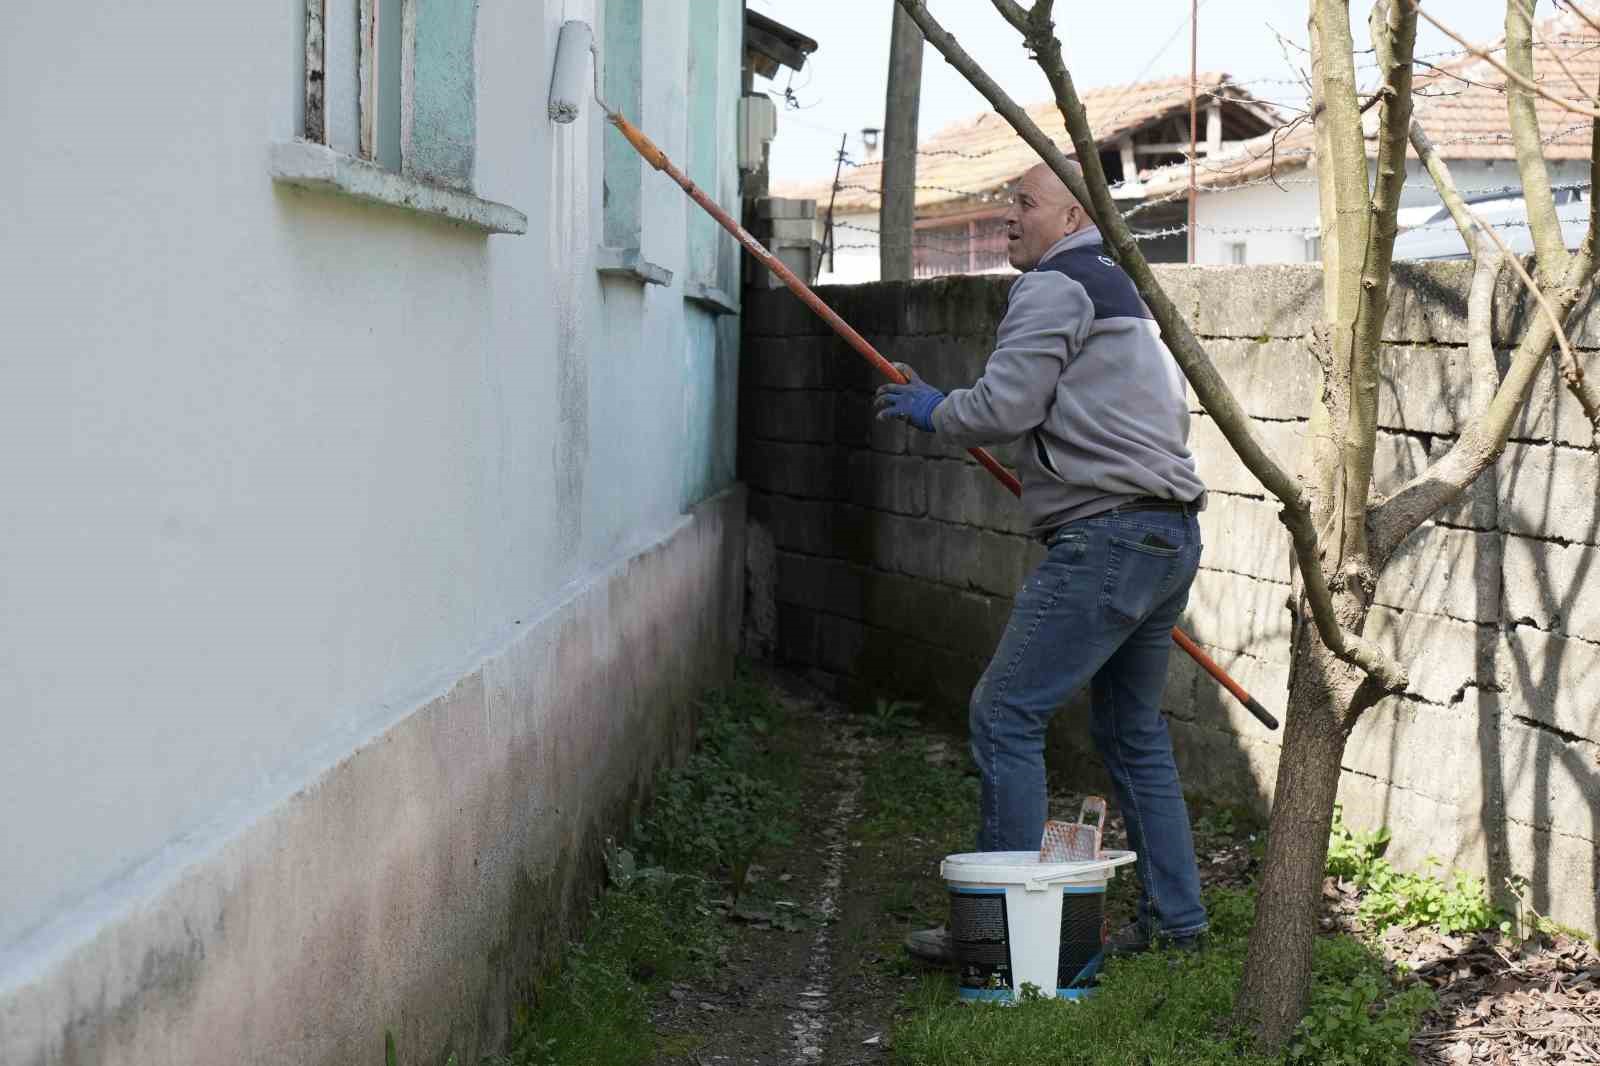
(1138, 576)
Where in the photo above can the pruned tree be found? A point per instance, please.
(1343, 535)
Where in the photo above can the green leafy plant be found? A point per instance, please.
(1172, 1009)
(728, 801)
(658, 922)
(892, 717)
(1390, 897)
(1217, 823)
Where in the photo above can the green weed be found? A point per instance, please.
(904, 794)
(1389, 897)
(656, 922)
(892, 717)
(1356, 1016)
(1171, 1009)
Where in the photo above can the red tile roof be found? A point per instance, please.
(980, 155)
(1461, 106)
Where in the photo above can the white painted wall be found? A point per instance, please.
(281, 466)
(855, 256)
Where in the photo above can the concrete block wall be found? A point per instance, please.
(884, 561)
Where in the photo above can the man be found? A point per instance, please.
(1081, 377)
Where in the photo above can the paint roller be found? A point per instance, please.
(571, 81)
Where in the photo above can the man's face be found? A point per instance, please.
(1041, 212)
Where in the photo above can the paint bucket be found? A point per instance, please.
(1015, 921)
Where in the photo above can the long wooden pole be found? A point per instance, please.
(1194, 89)
(658, 159)
(897, 213)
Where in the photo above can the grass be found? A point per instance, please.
(658, 921)
(735, 800)
(1152, 1010)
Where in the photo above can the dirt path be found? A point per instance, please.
(814, 971)
(776, 996)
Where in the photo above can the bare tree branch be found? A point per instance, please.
(1191, 357)
(1394, 32)
(1445, 183)
(1594, 24)
(1522, 111)
(1485, 372)
(1480, 444)
(1571, 105)
(1571, 370)
(1555, 54)
(1013, 13)
(1391, 520)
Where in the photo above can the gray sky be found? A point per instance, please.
(1105, 43)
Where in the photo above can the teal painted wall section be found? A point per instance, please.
(444, 92)
(711, 364)
(624, 27)
(711, 389)
(705, 30)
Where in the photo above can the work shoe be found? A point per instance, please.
(931, 946)
(1134, 939)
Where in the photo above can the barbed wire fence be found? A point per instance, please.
(1211, 90)
(1279, 158)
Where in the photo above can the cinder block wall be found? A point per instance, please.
(884, 562)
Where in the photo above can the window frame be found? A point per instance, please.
(310, 161)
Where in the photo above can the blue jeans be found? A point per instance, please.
(1098, 610)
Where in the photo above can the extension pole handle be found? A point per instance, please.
(658, 159)
(1211, 667)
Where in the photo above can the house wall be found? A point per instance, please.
(1273, 222)
(855, 241)
(893, 559)
(359, 566)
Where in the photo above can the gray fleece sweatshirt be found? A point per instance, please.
(1080, 370)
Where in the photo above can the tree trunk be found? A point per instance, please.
(897, 211)
(1277, 975)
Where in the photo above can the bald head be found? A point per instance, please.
(1042, 211)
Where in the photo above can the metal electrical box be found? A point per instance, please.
(758, 123)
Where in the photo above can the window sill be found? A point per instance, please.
(709, 297)
(315, 166)
(628, 263)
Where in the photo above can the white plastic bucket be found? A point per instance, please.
(1017, 921)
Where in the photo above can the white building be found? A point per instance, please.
(1257, 199)
(965, 173)
(371, 514)
(1261, 205)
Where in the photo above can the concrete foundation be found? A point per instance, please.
(417, 886)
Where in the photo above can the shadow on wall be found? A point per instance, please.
(893, 559)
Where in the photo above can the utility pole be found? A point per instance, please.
(897, 211)
(1194, 126)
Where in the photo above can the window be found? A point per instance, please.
(623, 168)
(393, 82)
(391, 85)
(623, 182)
(711, 262)
(1235, 251)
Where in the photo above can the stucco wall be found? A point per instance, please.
(284, 467)
(892, 559)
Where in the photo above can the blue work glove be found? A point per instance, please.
(914, 401)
